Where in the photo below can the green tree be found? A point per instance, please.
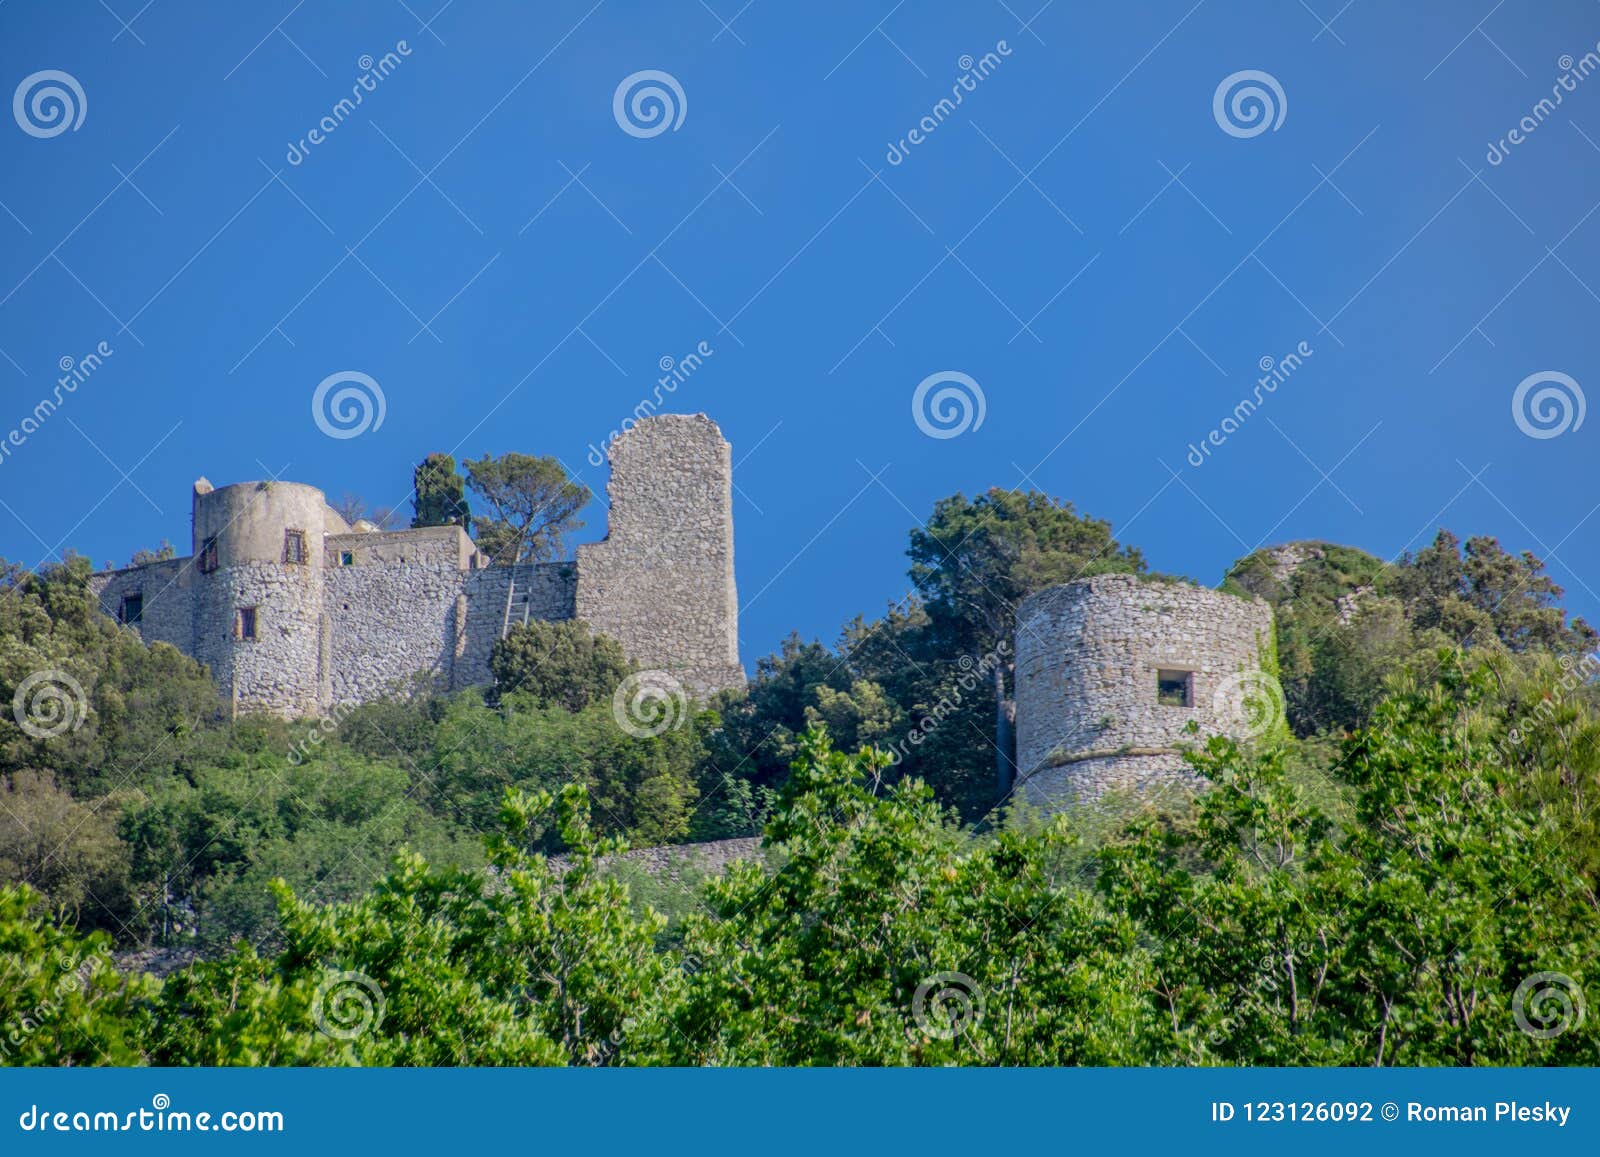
(531, 506)
(1402, 937)
(440, 494)
(889, 936)
(67, 850)
(62, 1001)
(534, 965)
(975, 560)
(563, 664)
(1478, 594)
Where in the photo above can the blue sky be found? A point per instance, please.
(1081, 237)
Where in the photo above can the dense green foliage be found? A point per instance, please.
(1409, 873)
(439, 494)
(564, 664)
(527, 506)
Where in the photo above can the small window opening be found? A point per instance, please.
(208, 555)
(294, 546)
(1175, 688)
(347, 558)
(132, 609)
(246, 626)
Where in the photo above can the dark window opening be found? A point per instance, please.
(1175, 688)
(294, 546)
(208, 555)
(247, 623)
(347, 558)
(132, 610)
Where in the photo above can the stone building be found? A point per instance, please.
(296, 612)
(1112, 670)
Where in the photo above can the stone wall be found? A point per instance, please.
(168, 615)
(280, 670)
(661, 583)
(1087, 661)
(363, 613)
(677, 861)
(547, 591)
(387, 624)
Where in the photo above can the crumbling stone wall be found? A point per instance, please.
(363, 612)
(1088, 656)
(168, 615)
(661, 583)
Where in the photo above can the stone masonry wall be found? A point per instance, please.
(280, 671)
(346, 616)
(388, 624)
(168, 615)
(1088, 653)
(661, 583)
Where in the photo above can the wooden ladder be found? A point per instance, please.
(512, 601)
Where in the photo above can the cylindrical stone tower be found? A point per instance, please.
(258, 554)
(1110, 672)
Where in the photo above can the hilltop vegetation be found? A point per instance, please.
(1376, 884)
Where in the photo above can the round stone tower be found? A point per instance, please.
(1110, 672)
(259, 624)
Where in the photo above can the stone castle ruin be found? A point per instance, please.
(1112, 670)
(297, 612)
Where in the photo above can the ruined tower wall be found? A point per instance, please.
(1088, 656)
(168, 603)
(661, 583)
(281, 669)
(349, 616)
